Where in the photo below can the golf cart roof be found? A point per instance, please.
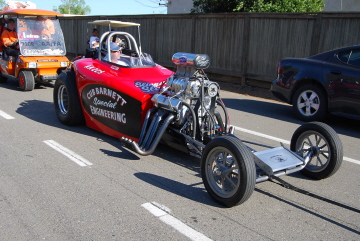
(30, 12)
(115, 24)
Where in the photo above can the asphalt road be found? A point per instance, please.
(99, 190)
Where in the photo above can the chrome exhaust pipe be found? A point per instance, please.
(152, 144)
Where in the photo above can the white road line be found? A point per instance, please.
(351, 160)
(70, 154)
(6, 116)
(174, 222)
(284, 141)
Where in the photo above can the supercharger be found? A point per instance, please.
(188, 91)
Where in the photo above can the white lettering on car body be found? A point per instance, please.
(94, 69)
(107, 92)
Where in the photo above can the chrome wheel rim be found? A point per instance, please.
(222, 172)
(318, 145)
(308, 103)
(63, 99)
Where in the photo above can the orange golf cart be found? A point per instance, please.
(42, 48)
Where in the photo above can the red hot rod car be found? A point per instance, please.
(143, 103)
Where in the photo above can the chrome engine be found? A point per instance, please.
(190, 98)
(187, 87)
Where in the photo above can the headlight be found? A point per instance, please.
(64, 64)
(32, 65)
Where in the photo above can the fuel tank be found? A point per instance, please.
(115, 99)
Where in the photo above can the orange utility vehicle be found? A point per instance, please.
(42, 48)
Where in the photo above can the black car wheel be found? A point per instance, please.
(325, 147)
(228, 171)
(309, 103)
(66, 100)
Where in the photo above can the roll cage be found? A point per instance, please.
(131, 53)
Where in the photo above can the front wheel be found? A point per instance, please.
(228, 171)
(309, 103)
(26, 80)
(325, 145)
(66, 100)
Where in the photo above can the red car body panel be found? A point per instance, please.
(115, 99)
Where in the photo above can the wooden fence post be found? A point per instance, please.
(154, 34)
(314, 47)
(245, 49)
(193, 34)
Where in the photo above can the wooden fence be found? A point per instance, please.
(241, 46)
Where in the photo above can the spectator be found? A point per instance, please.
(94, 39)
(44, 27)
(49, 25)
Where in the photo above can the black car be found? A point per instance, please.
(321, 84)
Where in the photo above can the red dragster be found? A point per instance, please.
(123, 93)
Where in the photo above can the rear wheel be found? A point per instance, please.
(66, 100)
(325, 145)
(228, 171)
(26, 80)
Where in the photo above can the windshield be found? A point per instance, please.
(40, 37)
(143, 61)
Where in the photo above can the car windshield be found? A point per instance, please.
(40, 36)
(143, 61)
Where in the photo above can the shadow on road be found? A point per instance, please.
(44, 113)
(191, 192)
(14, 85)
(313, 212)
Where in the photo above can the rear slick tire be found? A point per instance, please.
(66, 100)
(228, 171)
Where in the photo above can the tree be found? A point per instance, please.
(214, 6)
(2, 3)
(283, 6)
(226, 6)
(73, 7)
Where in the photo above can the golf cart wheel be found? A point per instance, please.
(228, 171)
(26, 80)
(325, 145)
(66, 100)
